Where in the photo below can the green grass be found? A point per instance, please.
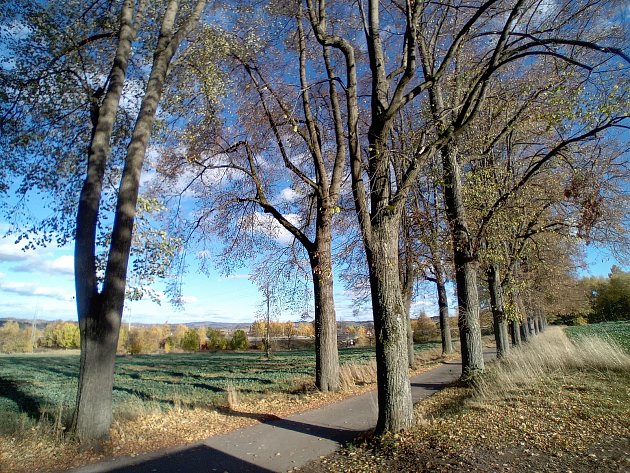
(33, 384)
(617, 332)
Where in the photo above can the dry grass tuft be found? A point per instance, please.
(549, 354)
(427, 356)
(357, 374)
(233, 396)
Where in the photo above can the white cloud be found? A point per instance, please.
(63, 265)
(31, 289)
(267, 224)
(60, 265)
(9, 251)
(289, 195)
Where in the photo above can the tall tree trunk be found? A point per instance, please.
(515, 333)
(395, 411)
(99, 336)
(465, 269)
(445, 326)
(268, 325)
(498, 313)
(407, 295)
(100, 315)
(468, 318)
(524, 329)
(326, 351)
(99, 339)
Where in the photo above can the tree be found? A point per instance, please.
(13, 339)
(239, 340)
(61, 335)
(216, 339)
(278, 113)
(612, 298)
(425, 329)
(190, 341)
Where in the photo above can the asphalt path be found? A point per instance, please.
(279, 444)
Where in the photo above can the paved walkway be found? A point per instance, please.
(280, 444)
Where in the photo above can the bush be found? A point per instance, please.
(143, 341)
(15, 340)
(612, 298)
(62, 335)
(425, 330)
(216, 340)
(190, 341)
(169, 344)
(239, 340)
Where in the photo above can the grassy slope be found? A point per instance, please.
(555, 406)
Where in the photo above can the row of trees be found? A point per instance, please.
(154, 338)
(58, 335)
(596, 299)
(475, 141)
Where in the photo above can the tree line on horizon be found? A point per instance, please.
(474, 141)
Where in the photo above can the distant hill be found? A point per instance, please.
(206, 323)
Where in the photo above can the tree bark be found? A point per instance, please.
(411, 355)
(498, 313)
(394, 394)
(326, 350)
(445, 326)
(465, 269)
(515, 333)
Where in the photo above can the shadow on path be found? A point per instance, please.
(429, 386)
(200, 458)
(320, 431)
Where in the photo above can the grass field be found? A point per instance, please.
(34, 384)
(617, 332)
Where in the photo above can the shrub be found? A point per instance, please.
(14, 340)
(216, 340)
(425, 330)
(61, 335)
(239, 340)
(190, 341)
(143, 341)
(169, 344)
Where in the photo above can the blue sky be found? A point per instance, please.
(40, 284)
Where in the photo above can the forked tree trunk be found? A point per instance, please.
(100, 314)
(326, 351)
(99, 339)
(395, 408)
(445, 326)
(99, 336)
(498, 313)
